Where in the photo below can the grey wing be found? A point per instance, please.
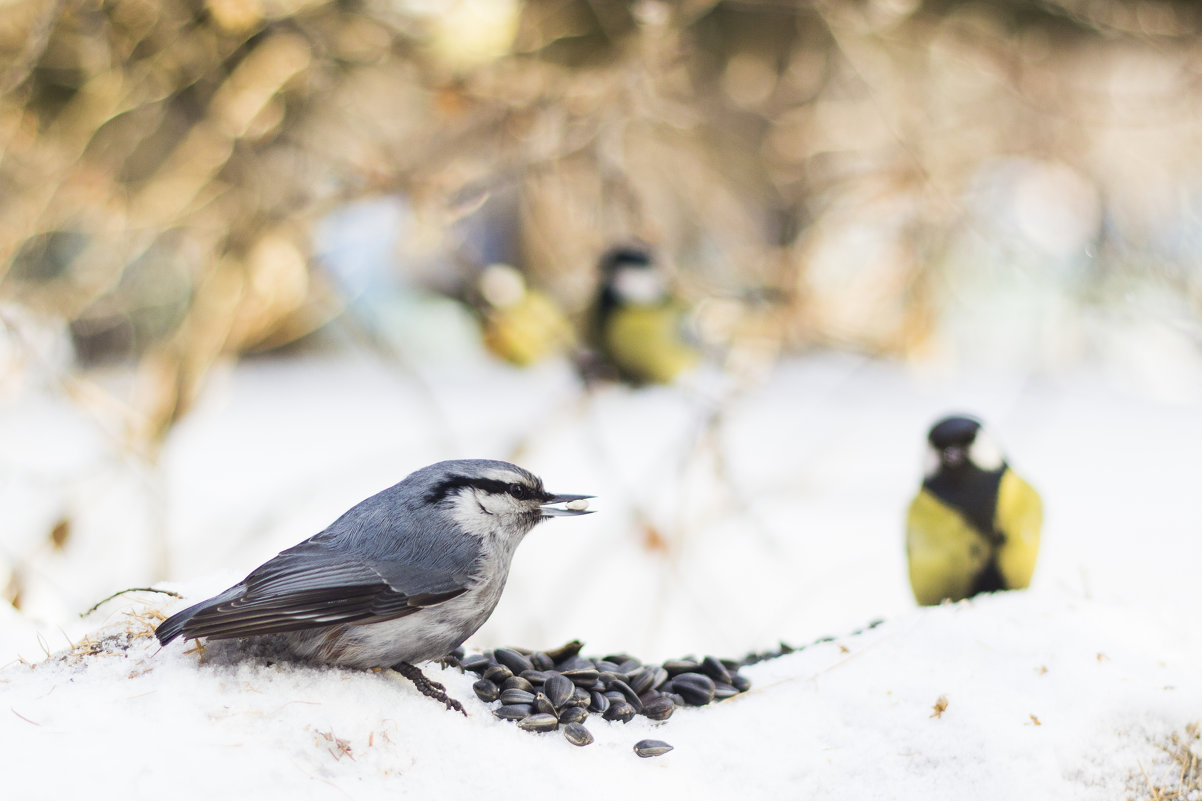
(311, 586)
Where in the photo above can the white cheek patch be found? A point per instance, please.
(639, 286)
(502, 285)
(985, 453)
(469, 513)
(495, 503)
(930, 462)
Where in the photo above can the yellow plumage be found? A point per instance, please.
(528, 331)
(647, 343)
(1020, 519)
(947, 554)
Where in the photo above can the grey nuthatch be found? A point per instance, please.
(405, 576)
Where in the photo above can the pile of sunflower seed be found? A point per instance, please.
(560, 689)
(785, 649)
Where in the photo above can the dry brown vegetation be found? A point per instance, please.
(1177, 776)
(164, 162)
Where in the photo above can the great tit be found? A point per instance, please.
(521, 324)
(640, 332)
(975, 524)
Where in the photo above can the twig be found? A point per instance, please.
(97, 605)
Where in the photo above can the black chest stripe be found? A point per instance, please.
(973, 493)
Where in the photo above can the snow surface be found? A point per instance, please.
(729, 518)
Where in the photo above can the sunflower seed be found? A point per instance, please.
(598, 702)
(513, 711)
(476, 663)
(573, 714)
(576, 734)
(740, 682)
(541, 661)
(651, 748)
(497, 674)
(513, 660)
(517, 697)
(677, 666)
(697, 689)
(660, 709)
(582, 677)
(629, 666)
(580, 697)
(722, 691)
(711, 667)
(535, 677)
(621, 711)
(628, 692)
(649, 696)
(517, 683)
(543, 704)
(642, 680)
(486, 691)
(574, 663)
(539, 722)
(559, 689)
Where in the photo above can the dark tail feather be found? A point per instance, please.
(173, 626)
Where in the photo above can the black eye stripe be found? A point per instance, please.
(450, 485)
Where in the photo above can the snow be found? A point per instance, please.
(730, 518)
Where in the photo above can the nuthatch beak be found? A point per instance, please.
(571, 505)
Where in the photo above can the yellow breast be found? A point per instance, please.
(946, 553)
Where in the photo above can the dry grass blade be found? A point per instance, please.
(102, 601)
(1179, 773)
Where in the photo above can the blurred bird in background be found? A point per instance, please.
(640, 332)
(974, 526)
(521, 324)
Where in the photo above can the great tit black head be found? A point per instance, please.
(959, 442)
(625, 255)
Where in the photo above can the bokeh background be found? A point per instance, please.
(874, 211)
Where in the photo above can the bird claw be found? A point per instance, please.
(427, 687)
